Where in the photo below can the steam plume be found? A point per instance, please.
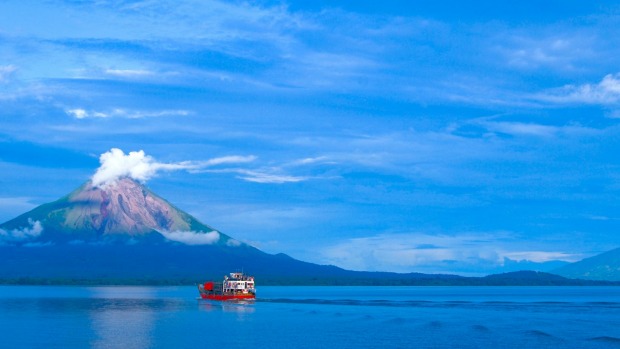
(137, 165)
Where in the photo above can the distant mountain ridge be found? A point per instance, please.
(605, 266)
(123, 233)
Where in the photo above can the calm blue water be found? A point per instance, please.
(311, 317)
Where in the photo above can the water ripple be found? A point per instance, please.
(440, 304)
(606, 339)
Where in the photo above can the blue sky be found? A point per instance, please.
(424, 136)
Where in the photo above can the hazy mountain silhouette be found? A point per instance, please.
(605, 266)
(124, 233)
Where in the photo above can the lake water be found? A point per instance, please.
(311, 317)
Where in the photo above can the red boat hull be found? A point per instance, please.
(227, 297)
(235, 287)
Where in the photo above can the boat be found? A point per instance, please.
(236, 286)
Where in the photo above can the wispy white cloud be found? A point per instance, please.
(78, 113)
(233, 243)
(450, 156)
(129, 73)
(38, 244)
(233, 159)
(431, 154)
(252, 32)
(192, 237)
(6, 71)
(81, 113)
(321, 70)
(271, 175)
(606, 92)
(264, 177)
(310, 161)
(549, 50)
(33, 230)
(160, 73)
(541, 256)
(526, 129)
(16, 204)
(435, 253)
(533, 129)
(116, 164)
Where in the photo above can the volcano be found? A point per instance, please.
(124, 233)
(122, 211)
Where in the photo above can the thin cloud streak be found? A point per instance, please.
(416, 251)
(261, 177)
(131, 73)
(80, 113)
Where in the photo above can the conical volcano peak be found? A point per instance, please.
(123, 209)
(125, 182)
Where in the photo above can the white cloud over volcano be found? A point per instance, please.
(191, 237)
(34, 229)
(137, 165)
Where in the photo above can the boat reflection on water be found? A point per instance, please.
(244, 307)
